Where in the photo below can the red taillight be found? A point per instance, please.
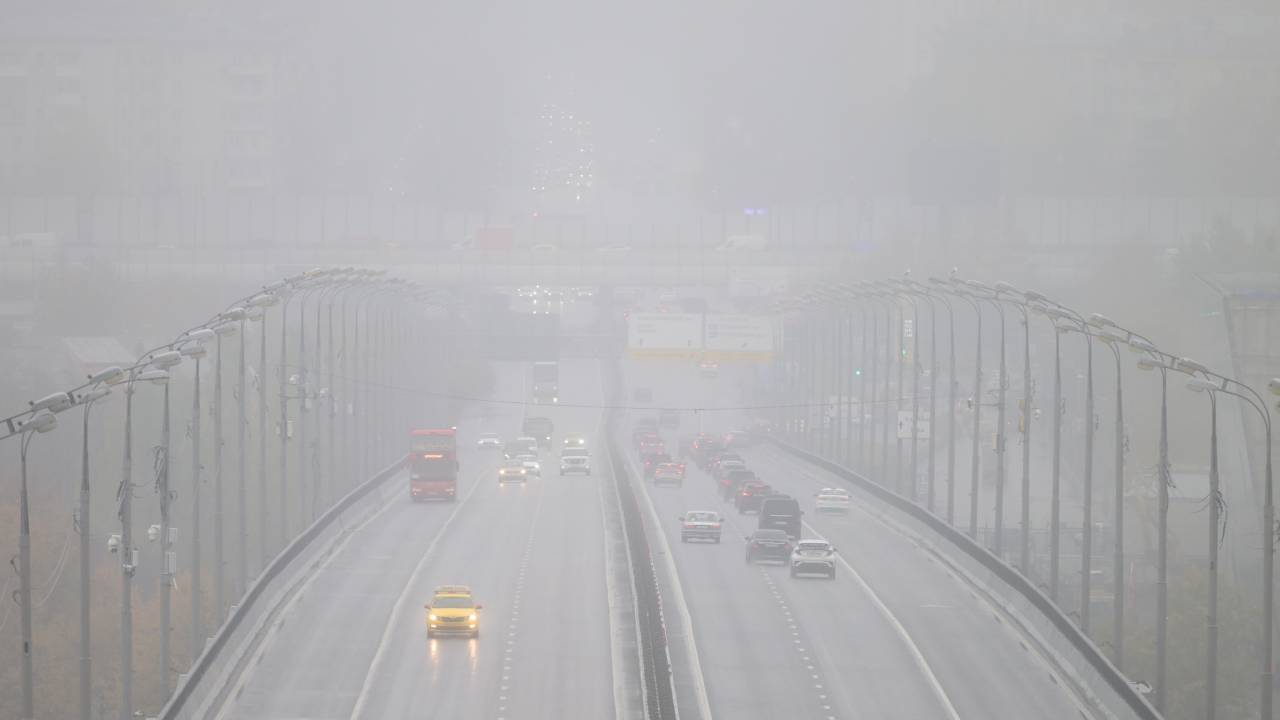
(715, 525)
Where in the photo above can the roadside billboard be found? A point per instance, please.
(664, 334)
(739, 337)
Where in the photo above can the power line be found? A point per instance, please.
(608, 406)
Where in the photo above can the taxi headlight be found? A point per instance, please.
(472, 617)
(432, 617)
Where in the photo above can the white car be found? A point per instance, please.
(489, 441)
(700, 525)
(575, 464)
(530, 464)
(813, 557)
(832, 500)
(512, 471)
(575, 440)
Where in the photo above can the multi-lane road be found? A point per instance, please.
(355, 643)
(895, 635)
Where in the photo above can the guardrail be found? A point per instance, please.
(202, 684)
(1124, 697)
(655, 660)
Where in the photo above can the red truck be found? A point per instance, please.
(433, 464)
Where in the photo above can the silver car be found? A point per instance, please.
(813, 557)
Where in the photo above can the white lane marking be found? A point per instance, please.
(989, 598)
(912, 648)
(233, 697)
(376, 665)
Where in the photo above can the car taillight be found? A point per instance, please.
(715, 525)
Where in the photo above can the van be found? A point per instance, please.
(780, 512)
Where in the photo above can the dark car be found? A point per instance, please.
(642, 438)
(751, 494)
(780, 512)
(653, 460)
(540, 428)
(732, 480)
(724, 457)
(765, 544)
(704, 449)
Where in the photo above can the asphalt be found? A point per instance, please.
(894, 635)
(355, 643)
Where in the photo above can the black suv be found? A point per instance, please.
(780, 512)
(768, 545)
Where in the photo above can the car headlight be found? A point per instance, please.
(472, 617)
(432, 617)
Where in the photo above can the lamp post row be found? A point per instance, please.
(154, 367)
(890, 295)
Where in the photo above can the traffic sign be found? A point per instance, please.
(904, 425)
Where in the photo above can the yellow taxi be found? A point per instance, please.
(452, 611)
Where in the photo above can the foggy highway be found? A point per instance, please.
(354, 643)
(287, 289)
(772, 645)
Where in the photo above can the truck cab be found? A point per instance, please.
(546, 382)
(539, 428)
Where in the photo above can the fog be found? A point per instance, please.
(716, 220)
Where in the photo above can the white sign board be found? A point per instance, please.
(664, 334)
(904, 425)
(748, 282)
(744, 334)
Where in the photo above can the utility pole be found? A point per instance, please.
(218, 589)
(197, 632)
(166, 569)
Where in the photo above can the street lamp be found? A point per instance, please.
(1154, 359)
(1113, 335)
(261, 303)
(992, 295)
(957, 288)
(95, 390)
(39, 418)
(224, 328)
(128, 563)
(1015, 297)
(951, 397)
(907, 292)
(1223, 384)
(1068, 320)
(1215, 505)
